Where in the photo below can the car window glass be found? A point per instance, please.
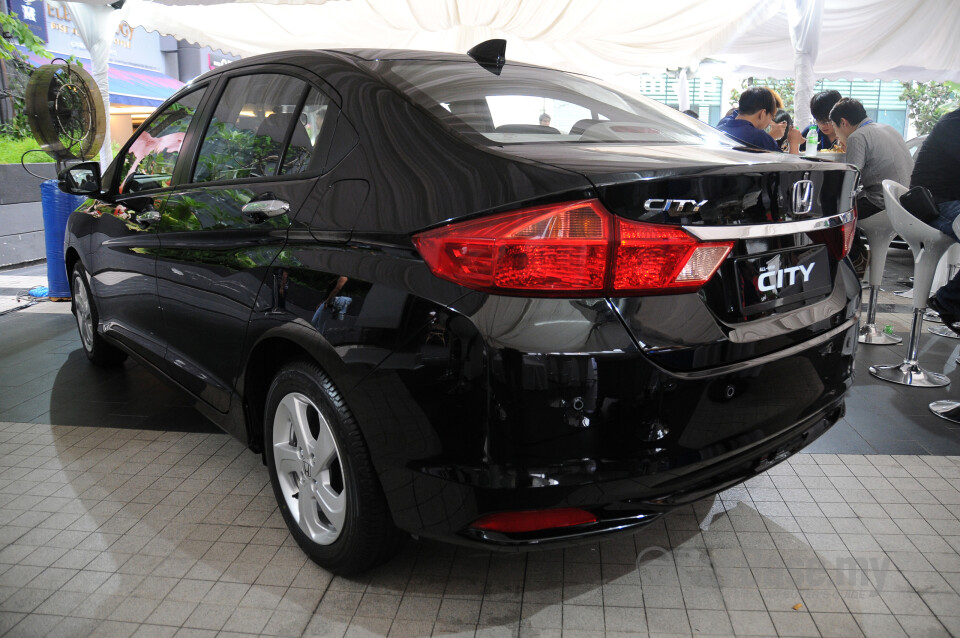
(299, 153)
(507, 108)
(148, 162)
(528, 109)
(252, 121)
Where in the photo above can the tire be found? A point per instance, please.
(84, 305)
(310, 434)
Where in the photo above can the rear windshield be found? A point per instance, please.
(530, 104)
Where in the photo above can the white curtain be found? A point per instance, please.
(806, 18)
(596, 37)
(97, 24)
(859, 39)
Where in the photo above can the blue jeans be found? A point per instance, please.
(944, 222)
(949, 294)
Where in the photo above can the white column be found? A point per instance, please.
(806, 19)
(683, 88)
(97, 25)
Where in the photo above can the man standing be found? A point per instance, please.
(879, 152)
(755, 113)
(938, 168)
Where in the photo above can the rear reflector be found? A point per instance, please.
(534, 520)
(571, 249)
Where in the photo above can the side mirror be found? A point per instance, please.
(80, 179)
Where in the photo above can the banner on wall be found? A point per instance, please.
(132, 47)
(33, 14)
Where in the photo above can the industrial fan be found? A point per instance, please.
(65, 110)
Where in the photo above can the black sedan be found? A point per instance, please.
(433, 315)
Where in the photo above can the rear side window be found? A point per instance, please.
(148, 162)
(264, 125)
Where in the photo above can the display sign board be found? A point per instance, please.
(33, 14)
(133, 47)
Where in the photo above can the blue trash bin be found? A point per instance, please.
(57, 207)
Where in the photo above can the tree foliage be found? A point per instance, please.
(927, 102)
(785, 88)
(16, 32)
(13, 32)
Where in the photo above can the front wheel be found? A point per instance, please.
(85, 310)
(322, 476)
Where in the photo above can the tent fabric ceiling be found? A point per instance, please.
(887, 39)
(871, 39)
(591, 36)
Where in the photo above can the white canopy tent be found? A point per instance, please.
(805, 39)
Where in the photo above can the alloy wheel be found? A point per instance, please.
(310, 469)
(81, 304)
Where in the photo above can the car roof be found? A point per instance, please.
(348, 56)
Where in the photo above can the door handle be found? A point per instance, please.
(258, 211)
(148, 217)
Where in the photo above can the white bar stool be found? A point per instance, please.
(927, 245)
(880, 233)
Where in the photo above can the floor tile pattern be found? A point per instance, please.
(124, 513)
(126, 532)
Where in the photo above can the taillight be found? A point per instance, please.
(575, 248)
(838, 239)
(848, 230)
(653, 258)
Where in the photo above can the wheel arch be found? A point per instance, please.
(70, 259)
(275, 347)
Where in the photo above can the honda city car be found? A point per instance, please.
(434, 316)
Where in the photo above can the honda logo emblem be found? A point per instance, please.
(802, 197)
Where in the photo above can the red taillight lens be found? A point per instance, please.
(534, 520)
(549, 249)
(576, 248)
(849, 230)
(651, 258)
(838, 240)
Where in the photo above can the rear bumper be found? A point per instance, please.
(610, 433)
(634, 513)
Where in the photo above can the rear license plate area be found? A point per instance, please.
(782, 277)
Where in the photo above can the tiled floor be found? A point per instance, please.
(15, 285)
(124, 513)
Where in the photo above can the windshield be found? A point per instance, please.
(530, 104)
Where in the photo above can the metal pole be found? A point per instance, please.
(915, 336)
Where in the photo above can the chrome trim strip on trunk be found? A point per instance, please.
(767, 358)
(720, 233)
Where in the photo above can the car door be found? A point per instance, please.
(222, 230)
(122, 262)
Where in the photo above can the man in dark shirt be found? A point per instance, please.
(938, 168)
(756, 111)
(820, 106)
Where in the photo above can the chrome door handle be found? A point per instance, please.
(262, 209)
(148, 217)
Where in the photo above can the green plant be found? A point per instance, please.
(784, 87)
(16, 32)
(927, 102)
